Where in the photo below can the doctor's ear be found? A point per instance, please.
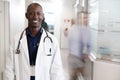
(43, 17)
(26, 15)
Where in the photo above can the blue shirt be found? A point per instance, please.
(33, 43)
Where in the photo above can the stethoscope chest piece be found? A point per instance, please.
(17, 51)
(48, 47)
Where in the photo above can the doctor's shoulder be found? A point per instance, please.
(17, 36)
(15, 39)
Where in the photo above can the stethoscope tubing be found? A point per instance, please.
(18, 46)
(18, 50)
(47, 37)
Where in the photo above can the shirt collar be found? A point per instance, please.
(29, 33)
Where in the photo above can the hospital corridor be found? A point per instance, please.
(64, 39)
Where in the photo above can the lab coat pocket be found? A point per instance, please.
(49, 56)
(48, 49)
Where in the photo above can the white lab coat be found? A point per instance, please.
(47, 67)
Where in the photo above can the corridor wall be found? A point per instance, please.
(4, 33)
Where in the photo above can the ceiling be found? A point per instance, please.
(63, 1)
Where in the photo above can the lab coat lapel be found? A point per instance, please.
(40, 52)
(40, 48)
(24, 47)
(40, 58)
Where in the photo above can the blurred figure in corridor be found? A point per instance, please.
(79, 46)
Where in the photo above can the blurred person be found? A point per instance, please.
(34, 53)
(79, 46)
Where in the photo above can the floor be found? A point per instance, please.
(64, 56)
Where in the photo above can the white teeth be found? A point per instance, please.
(35, 21)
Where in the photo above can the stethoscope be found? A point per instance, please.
(18, 46)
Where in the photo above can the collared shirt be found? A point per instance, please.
(79, 40)
(33, 43)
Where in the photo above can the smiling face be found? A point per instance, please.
(34, 15)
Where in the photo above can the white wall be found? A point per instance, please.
(67, 13)
(17, 17)
(1, 35)
(4, 33)
(97, 69)
(106, 70)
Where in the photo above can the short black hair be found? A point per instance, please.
(33, 4)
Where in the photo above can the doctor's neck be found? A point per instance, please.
(34, 30)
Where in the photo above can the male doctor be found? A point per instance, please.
(34, 53)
